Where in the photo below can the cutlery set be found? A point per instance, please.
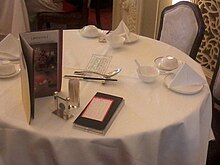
(88, 75)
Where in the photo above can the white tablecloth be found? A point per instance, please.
(13, 17)
(156, 126)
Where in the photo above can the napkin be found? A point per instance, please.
(186, 76)
(122, 30)
(9, 48)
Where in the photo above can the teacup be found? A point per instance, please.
(115, 41)
(168, 63)
(6, 68)
(148, 73)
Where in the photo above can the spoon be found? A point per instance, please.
(103, 37)
(107, 75)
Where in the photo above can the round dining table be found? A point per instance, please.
(156, 126)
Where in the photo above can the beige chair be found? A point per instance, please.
(182, 26)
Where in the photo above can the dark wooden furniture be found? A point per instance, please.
(214, 145)
(215, 90)
(98, 5)
(72, 19)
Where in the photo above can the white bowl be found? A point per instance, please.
(115, 41)
(168, 63)
(90, 31)
(6, 68)
(148, 73)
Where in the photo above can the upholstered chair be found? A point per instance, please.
(71, 19)
(215, 87)
(214, 145)
(215, 83)
(182, 26)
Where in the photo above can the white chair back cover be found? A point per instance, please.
(182, 26)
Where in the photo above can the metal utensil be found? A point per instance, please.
(88, 78)
(107, 75)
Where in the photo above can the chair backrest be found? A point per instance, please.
(215, 83)
(72, 19)
(182, 26)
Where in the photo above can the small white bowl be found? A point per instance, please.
(168, 63)
(115, 41)
(90, 31)
(148, 73)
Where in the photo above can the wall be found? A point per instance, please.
(141, 16)
(210, 46)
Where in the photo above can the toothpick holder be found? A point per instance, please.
(63, 107)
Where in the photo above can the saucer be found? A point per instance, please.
(188, 90)
(132, 38)
(115, 41)
(17, 71)
(157, 64)
(91, 35)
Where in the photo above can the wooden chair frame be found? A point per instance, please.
(73, 19)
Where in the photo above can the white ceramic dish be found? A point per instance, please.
(168, 63)
(17, 71)
(165, 71)
(148, 73)
(188, 90)
(132, 38)
(90, 31)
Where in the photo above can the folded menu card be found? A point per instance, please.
(41, 64)
(186, 76)
(99, 113)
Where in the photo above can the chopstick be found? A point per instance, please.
(89, 78)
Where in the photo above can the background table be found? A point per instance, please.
(156, 125)
(13, 17)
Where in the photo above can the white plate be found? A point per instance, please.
(132, 38)
(91, 35)
(17, 71)
(189, 90)
(157, 64)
